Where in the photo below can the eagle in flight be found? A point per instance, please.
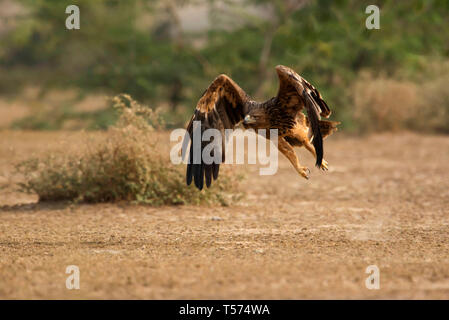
(224, 105)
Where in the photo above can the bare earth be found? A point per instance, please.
(384, 202)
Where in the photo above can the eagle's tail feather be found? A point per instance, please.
(328, 127)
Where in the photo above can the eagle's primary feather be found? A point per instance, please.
(224, 105)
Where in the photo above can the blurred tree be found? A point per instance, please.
(327, 42)
(140, 47)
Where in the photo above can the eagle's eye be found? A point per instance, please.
(249, 119)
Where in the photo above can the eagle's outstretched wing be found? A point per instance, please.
(222, 106)
(295, 91)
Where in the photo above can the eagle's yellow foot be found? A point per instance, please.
(324, 165)
(304, 172)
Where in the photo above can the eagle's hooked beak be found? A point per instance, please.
(248, 119)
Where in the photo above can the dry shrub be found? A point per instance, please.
(382, 104)
(127, 165)
(432, 112)
(385, 104)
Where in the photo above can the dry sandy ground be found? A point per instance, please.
(384, 202)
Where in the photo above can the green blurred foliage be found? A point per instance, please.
(159, 63)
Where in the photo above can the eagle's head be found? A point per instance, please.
(257, 118)
(286, 72)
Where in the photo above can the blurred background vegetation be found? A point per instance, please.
(165, 53)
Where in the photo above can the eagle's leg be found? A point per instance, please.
(301, 133)
(287, 150)
(311, 148)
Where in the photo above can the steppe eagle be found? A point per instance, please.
(224, 105)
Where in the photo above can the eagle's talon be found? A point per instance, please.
(305, 172)
(324, 165)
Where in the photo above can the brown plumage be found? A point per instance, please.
(224, 105)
